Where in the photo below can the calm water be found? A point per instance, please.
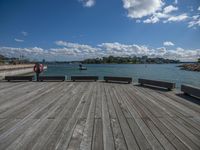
(165, 72)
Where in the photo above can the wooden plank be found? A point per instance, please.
(116, 129)
(23, 101)
(107, 131)
(6, 97)
(182, 100)
(15, 86)
(97, 142)
(179, 134)
(169, 103)
(77, 136)
(156, 109)
(176, 111)
(25, 140)
(158, 134)
(143, 127)
(29, 138)
(78, 132)
(67, 130)
(98, 135)
(165, 131)
(27, 106)
(165, 143)
(86, 143)
(187, 133)
(7, 138)
(98, 110)
(9, 125)
(141, 139)
(54, 136)
(9, 132)
(129, 137)
(122, 104)
(76, 139)
(186, 125)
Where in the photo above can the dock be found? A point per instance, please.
(97, 116)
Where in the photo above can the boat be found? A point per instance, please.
(82, 68)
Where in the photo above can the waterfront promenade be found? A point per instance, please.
(95, 115)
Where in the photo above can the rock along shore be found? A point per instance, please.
(190, 67)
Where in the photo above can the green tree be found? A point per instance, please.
(199, 60)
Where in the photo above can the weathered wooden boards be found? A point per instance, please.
(95, 115)
(163, 84)
(191, 90)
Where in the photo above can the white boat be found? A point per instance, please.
(82, 68)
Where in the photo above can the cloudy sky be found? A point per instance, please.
(79, 29)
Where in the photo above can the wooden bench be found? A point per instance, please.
(118, 79)
(191, 90)
(156, 83)
(84, 78)
(19, 78)
(51, 78)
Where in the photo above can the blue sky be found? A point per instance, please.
(79, 29)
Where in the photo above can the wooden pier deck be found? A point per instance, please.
(95, 115)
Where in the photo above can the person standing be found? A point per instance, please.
(38, 68)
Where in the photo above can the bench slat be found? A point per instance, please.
(84, 78)
(19, 78)
(52, 78)
(191, 90)
(118, 79)
(157, 83)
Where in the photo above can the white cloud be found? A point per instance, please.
(141, 8)
(75, 51)
(169, 9)
(161, 50)
(168, 43)
(34, 52)
(24, 33)
(76, 46)
(154, 11)
(152, 19)
(198, 8)
(178, 18)
(183, 54)
(118, 49)
(138, 21)
(88, 3)
(194, 22)
(18, 40)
